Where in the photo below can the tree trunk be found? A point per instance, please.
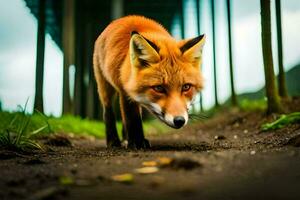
(40, 54)
(233, 94)
(68, 49)
(281, 76)
(198, 4)
(89, 44)
(181, 16)
(214, 53)
(79, 93)
(271, 90)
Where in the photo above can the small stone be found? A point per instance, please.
(220, 137)
(252, 152)
(245, 131)
(235, 137)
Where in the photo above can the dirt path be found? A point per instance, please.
(224, 158)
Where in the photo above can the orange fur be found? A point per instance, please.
(133, 64)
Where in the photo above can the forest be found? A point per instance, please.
(242, 145)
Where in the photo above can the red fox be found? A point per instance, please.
(137, 58)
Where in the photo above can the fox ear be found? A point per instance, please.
(192, 49)
(142, 50)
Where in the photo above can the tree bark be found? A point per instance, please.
(271, 89)
(281, 76)
(89, 44)
(68, 49)
(214, 53)
(233, 94)
(80, 91)
(181, 16)
(198, 4)
(40, 54)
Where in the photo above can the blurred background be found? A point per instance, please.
(46, 48)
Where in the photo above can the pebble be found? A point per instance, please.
(252, 152)
(219, 137)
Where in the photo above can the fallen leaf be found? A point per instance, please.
(149, 163)
(146, 170)
(164, 161)
(123, 178)
(66, 180)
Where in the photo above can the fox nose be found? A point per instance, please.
(179, 121)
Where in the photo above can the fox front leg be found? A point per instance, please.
(132, 123)
(112, 139)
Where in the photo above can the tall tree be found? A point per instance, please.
(68, 40)
(40, 54)
(271, 89)
(80, 53)
(214, 52)
(181, 16)
(198, 4)
(233, 94)
(91, 111)
(281, 76)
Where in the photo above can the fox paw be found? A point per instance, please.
(143, 144)
(113, 144)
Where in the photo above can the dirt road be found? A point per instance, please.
(227, 157)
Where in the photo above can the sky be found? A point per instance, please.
(18, 31)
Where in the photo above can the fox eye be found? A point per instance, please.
(186, 87)
(159, 89)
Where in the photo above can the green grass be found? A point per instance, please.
(69, 124)
(283, 121)
(15, 133)
(253, 105)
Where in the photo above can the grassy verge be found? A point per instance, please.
(70, 124)
(253, 105)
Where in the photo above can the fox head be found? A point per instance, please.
(165, 76)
